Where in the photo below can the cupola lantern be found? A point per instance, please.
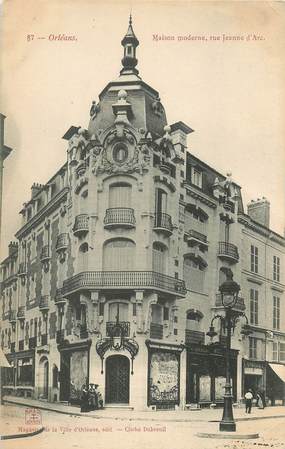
(130, 43)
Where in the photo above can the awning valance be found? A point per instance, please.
(279, 370)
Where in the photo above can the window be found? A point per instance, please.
(156, 313)
(193, 274)
(159, 258)
(276, 312)
(165, 313)
(253, 348)
(120, 153)
(253, 306)
(276, 268)
(193, 319)
(118, 310)
(282, 352)
(196, 177)
(120, 195)
(83, 257)
(118, 255)
(254, 259)
(160, 201)
(274, 351)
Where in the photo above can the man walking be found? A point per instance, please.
(248, 401)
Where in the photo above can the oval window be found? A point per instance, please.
(120, 153)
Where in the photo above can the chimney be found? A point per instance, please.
(36, 188)
(13, 248)
(259, 211)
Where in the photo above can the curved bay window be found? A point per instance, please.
(118, 255)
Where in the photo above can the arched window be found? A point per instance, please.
(159, 257)
(120, 195)
(160, 201)
(118, 255)
(83, 257)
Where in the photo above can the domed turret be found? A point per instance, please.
(130, 43)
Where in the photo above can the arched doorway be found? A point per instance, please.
(44, 378)
(117, 379)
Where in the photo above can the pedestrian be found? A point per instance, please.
(248, 401)
(259, 400)
(93, 402)
(84, 399)
(99, 397)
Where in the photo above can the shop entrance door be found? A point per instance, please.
(117, 380)
(65, 376)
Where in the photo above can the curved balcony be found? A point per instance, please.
(119, 216)
(44, 303)
(59, 298)
(163, 223)
(240, 305)
(61, 242)
(113, 280)
(45, 253)
(81, 225)
(196, 238)
(228, 251)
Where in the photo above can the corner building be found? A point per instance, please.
(114, 274)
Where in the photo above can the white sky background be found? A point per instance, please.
(232, 94)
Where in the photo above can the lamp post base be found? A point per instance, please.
(227, 426)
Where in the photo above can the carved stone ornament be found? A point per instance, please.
(121, 154)
(45, 265)
(157, 108)
(63, 210)
(95, 108)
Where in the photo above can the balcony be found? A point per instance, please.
(113, 331)
(156, 331)
(163, 223)
(21, 345)
(61, 242)
(228, 251)
(195, 237)
(45, 253)
(194, 337)
(44, 303)
(22, 271)
(12, 316)
(59, 298)
(32, 342)
(113, 280)
(83, 331)
(60, 336)
(21, 313)
(119, 216)
(81, 225)
(240, 306)
(229, 206)
(44, 339)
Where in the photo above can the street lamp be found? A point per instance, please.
(233, 307)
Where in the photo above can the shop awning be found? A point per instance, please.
(279, 370)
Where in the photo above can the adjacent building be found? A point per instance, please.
(114, 275)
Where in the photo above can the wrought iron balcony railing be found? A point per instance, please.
(45, 253)
(12, 316)
(163, 222)
(21, 345)
(44, 303)
(61, 242)
(228, 251)
(21, 313)
(112, 330)
(83, 332)
(22, 271)
(194, 337)
(60, 336)
(124, 280)
(44, 339)
(197, 236)
(32, 342)
(240, 305)
(119, 216)
(81, 225)
(156, 331)
(59, 298)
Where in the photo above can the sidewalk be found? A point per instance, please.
(202, 415)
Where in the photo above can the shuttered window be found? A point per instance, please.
(120, 195)
(159, 258)
(119, 309)
(118, 255)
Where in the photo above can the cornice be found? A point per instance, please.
(262, 230)
(47, 209)
(194, 193)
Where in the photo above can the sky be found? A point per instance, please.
(225, 78)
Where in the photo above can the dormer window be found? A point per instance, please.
(196, 177)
